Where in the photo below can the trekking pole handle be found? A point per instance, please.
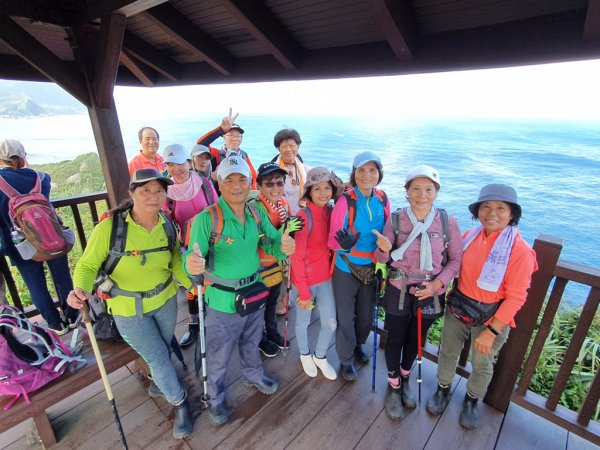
(85, 313)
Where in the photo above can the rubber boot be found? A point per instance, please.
(438, 401)
(190, 336)
(393, 403)
(469, 416)
(408, 396)
(182, 425)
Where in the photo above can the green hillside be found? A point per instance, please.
(82, 175)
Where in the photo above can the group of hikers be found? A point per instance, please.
(249, 239)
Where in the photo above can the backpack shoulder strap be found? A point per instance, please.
(383, 198)
(216, 227)
(445, 234)
(207, 190)
(8, 190)
(118, 237)
(170, 231)
(351, 200)
(309, 219)
(396, 221)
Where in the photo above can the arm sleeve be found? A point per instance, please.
(94, 255)
(388, 232)
(454, 253)
(199, 234)
(517, 280)
(338, 220)
(211, 136)
(298, 260)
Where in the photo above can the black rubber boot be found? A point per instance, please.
(360, 354)
(182, 425)
(469, 416)
(408, 396)
(393, 403)
(190, 336)
(438, 402)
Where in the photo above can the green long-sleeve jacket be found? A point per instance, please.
(237, 257)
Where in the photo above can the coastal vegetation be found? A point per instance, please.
(83, 175)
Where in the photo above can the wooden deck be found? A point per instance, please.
(305, 413)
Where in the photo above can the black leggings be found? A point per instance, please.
(402, 341)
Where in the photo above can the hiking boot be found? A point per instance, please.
(154, 391)
(279, 341)
(360, 354)
(60, 329)
(349, 372)
(308, 365)
(218, 415)
(469, 416)
(190, 335)
(267, 385)
(393, 403)
(182, 425)
(326, 368)
(438, 401)
(268, 348)
(408, 396)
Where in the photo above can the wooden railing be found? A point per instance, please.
(74, 204)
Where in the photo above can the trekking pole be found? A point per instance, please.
(85, 312)
(286, 303)
(419, 349)
(380, 279)
(201, 355)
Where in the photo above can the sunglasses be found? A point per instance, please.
(270, 184)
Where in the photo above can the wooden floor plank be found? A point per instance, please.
(575, 442)
(22, 436)
(414, 430)
(517, 431)
(449, 434)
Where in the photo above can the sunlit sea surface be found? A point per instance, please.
(555, 167)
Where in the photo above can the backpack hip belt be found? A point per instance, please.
(398, 274)
(140, 296)
(230, 285)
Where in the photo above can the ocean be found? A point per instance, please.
(554, 166)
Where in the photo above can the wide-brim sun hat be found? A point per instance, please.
(318, 174)
(365, 157)
(175, 153)
(497, 192)
(144, 175)
(199, 149)
(270, 167)
(10, 148)
(423, 171)
(231, 165)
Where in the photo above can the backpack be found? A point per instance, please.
(445, 229)
(34, 218)
(30, 356)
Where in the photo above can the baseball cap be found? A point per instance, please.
(175, 153)
(233, 164)
(424, 171)
(270, 167)
(10, 148)
(235, 126)
(144, 175)
(364, 157)
(199, 149)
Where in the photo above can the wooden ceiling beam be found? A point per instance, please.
(46, 62)
(137, 68)
(258, 20)
(112, 28)
(591, 28)
(398, 23)
(61, 13)
(97, 8)
(189, 36)
(152, 57)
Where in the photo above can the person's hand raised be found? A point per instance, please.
(228, 121)
(195, 263)
(383, 242)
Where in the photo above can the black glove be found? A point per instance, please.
(345, 239)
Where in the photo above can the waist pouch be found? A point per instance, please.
(251, 298)
(468, 310)
(272, 275)
(365, 274)
(104, 325)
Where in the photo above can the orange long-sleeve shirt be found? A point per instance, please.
(517, 279)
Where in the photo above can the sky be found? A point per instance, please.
(552, 91)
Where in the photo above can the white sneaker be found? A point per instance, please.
(308, 365)
(327, 369)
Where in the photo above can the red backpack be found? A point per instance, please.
(34, 219)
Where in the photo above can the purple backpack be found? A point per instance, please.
(30, 356)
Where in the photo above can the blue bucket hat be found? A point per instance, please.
(364, 157)
(496, 191)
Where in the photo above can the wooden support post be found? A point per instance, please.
(44, 429)
(510, 359)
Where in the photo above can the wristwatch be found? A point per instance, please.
(492, 329)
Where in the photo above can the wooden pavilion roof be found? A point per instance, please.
(229, 41)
